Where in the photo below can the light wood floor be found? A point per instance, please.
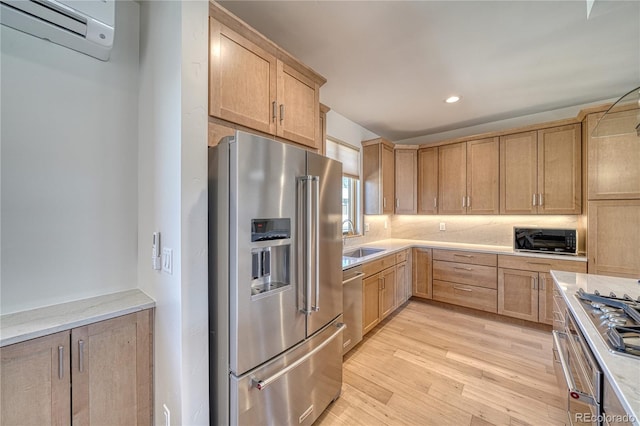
(428, 365)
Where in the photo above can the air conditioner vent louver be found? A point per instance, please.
(86, 26)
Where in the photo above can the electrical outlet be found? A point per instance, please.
(385, 224)
(167, 260)
(443, 227)
(366, 227)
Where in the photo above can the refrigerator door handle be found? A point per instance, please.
(315, 181)
(262, 384)
(306, 217)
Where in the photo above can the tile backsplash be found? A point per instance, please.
(477, 229)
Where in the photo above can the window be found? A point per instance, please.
(351, 208)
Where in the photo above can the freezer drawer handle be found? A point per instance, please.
(262, 384)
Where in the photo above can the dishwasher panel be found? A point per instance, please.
(352, 306)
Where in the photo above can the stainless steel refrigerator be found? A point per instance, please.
(275, 282)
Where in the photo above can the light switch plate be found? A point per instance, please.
(167, 260)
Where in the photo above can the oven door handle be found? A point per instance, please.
(568, 377)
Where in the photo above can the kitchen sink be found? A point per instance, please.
(362, 252)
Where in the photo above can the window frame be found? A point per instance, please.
(356, 191)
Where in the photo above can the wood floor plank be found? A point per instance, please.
(429, 365)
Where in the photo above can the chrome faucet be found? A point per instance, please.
(351, 226)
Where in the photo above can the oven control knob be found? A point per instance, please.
(597, 305)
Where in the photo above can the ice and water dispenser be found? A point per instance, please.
(270, 255)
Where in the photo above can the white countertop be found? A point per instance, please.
(26, 325)
(622, 371)
(393, 245)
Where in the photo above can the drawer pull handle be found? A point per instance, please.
(60, 362)
(462, 269)
(462, 288)
(539, 263)
(468, 256)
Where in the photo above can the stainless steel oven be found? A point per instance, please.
(579, 372)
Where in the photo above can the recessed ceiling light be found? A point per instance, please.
(452, 99)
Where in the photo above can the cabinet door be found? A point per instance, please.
(35, 382)
(428, 181)
(518, 173)
(560, 170)
(371, 302)
(613, 160)
(111, 364)
(422, 272)
(452, 178)
(242, 80)
(518, 294)
(483, 165)
(614, 238)
(545, 298)
(402, 276)
(388, 292)
(406, 181)
(388, 179)
(298, 107)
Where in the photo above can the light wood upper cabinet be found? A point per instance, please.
(613, 171)
(428, 180)
(560, 170)
(298, 107)
(35, 382)
(482, 176)
(452, 178)
(518, 173)
(540, 172)
(406, 164)
(378, 172)
(255, 84)
(614, 238)
(242, 80)
(422, 266)
(468, 174)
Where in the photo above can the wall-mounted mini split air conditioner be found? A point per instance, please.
(83, 25)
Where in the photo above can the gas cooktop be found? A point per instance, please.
(617, 319)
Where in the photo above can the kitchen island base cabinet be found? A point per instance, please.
(108, 362)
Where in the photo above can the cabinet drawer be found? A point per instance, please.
(402, 256)
(378, 265)
(466, 257)
(485, 299)
(464, 273)
(539, 264)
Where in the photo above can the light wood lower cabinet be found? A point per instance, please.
(525, 286)
(518, 294)
(108, 362)
(465, 279)
(403, 277)
(378, 298)
(35, 382)
(422, 272)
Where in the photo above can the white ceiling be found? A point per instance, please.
(391, 64)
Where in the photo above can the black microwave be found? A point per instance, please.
(545, 240)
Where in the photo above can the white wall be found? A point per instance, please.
(69, 168)
(173, 200)
(346, 130)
